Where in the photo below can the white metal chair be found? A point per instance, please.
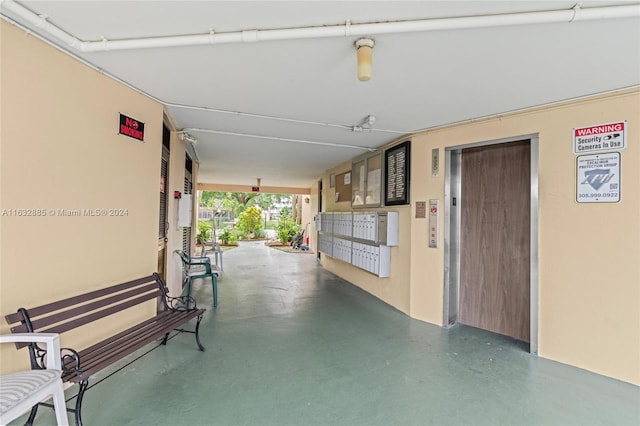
(217, 253)
(22, 390)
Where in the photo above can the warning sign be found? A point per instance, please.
(598, 178)
(600, 137)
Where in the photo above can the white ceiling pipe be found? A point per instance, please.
(41, 22)
(276, 138)
(347, 29)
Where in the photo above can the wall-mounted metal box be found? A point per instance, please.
(359, 238)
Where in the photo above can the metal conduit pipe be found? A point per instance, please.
(276, 138)
(343, 30)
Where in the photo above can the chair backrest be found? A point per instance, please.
(188, 262)
(215, 247)
(184, 257)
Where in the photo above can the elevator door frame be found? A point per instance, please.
(452, 221)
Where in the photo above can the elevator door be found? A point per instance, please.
(495, 238)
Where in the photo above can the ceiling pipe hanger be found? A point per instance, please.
(343, 30)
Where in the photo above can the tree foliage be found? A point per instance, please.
(237, 202)
(250, 220)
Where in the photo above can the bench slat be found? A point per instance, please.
(40, 323)
(103, 356)
(98, 346)
(65, 303)
(70, 325)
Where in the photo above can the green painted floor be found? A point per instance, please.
(292, 344)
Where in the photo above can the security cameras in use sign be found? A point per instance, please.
(600, 137)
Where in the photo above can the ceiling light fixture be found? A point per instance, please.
(365, 52)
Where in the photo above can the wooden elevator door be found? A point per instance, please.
(494, 237)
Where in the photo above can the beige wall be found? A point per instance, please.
(589, 268)
(394, 290)
(60, 150)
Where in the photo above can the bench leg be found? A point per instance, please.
(200, 346)
(214, 285)
(32, 415)
(165, 338)
(83, 387)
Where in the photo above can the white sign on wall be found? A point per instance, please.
(185, 211)
(600, 137)
(598, 179)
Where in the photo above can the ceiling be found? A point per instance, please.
(284, 110)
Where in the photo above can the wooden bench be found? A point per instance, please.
(78, 365)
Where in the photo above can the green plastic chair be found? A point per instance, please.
(193, 268)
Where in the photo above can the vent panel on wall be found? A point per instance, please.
(188, 190)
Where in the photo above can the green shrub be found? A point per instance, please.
(286, 228)
(204, 231)
(240, 234)
(227, 236)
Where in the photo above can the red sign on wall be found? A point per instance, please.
(131, 127)
(600, 137)
(255, 189)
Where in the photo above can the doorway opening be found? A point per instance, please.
(491, 234)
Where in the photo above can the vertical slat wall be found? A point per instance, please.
(188, 189)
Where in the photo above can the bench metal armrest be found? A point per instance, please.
(181, 303)
(52, 340)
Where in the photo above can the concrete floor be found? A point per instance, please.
(292, 344)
